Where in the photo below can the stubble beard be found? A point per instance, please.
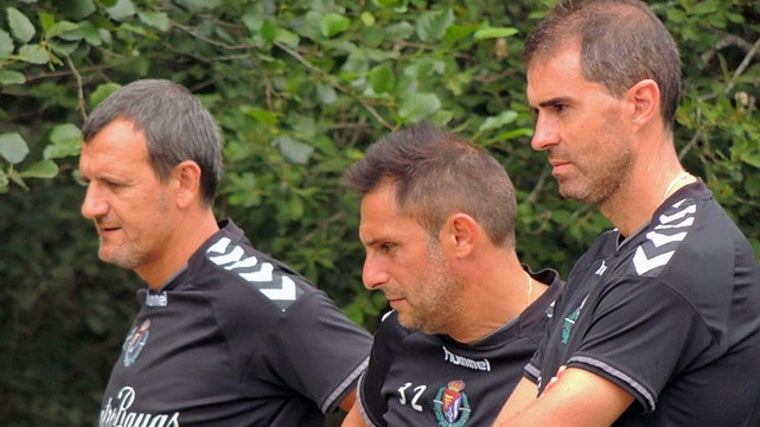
(133, 253)
(438, 306)
(599, 182)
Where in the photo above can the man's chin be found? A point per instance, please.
(407, 321)
(125, 262)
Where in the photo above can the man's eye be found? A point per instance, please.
(111, 184)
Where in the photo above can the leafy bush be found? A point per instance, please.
(299, 88)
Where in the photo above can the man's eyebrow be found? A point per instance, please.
(374, 242)
(554, 101)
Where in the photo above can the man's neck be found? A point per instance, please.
(189, 234)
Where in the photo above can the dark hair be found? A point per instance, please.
(622, 43)
(176, 125)
(435, 173)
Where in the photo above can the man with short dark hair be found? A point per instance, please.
(660, 321)
(437, 223)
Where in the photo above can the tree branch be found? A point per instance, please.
(334, 83)
(80, 86)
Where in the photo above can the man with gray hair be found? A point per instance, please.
(225, 335)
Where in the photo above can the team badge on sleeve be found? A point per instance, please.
(451, 406)
(135, 342)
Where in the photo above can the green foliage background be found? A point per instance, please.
(299, 88)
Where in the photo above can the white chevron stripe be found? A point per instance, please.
(234, 256)
(662, 239)
(644, 264)
(286, 293)
(664, 219)
(688, 222)
(263, 275)
(233, 259)
(243, 263)
(219, 247)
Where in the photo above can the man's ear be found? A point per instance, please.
(645, 100)
(461, 232)
(187, 179)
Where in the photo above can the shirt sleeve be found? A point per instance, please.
(641, 333)
(319, 351)
(388, 340)
(532, 369)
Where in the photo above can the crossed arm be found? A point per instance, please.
(575, 398)
(354, 418)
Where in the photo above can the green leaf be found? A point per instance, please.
(705, 8)
(367, 19)
(66, 140)
(80, 9)
(752, 159)
(356, 63)
(332, 24)
(418, 106)
(735, 18)
(494, 33)
(253, 21)
(41, 169)
(295, 207)
(326, 94)
(287, 37)
(59, 28)
(494, 122)
(515, 133)
(21, 27)
(121, 10)
(13, 147)
(387, 3)
(269, 30)
(459, 32)
(159, 20)
(93, 34)
(294, 151)
(199, 5)
(431, 26)
(676, 16)
(102, 92)
(9, 77)
(33, 54)
(46, 20)
(6, 44)
(261, 115)
(399, 31)
(382, 79)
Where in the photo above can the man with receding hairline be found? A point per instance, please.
(225, 335)
(660, 321)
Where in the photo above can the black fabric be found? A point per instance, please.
(416, 379)
(235, 339)
(671, 314)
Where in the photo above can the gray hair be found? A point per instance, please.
(176, 125)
